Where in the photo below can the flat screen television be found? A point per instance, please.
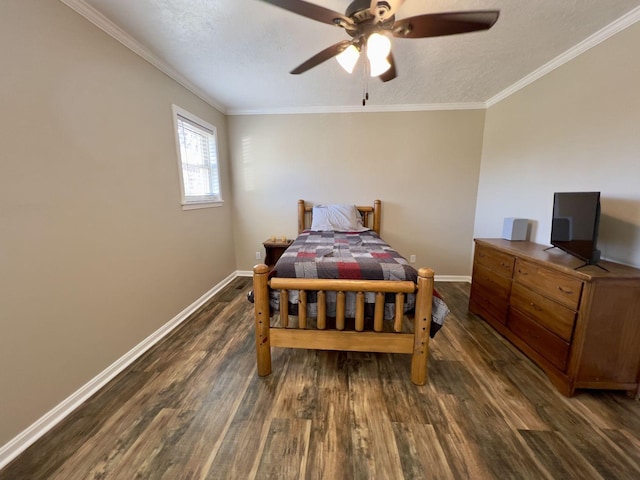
(574, 227)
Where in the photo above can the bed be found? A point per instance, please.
(339, 286)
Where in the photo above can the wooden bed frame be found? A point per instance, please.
(283, 334)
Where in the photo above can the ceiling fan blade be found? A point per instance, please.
(312, 11)
(320, 57)
(384, 9)
(391, 73)
(437, 24)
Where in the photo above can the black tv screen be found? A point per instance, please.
(574, 227)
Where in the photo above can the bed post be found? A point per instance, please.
(261, 305)
(300, 216)
(377, 211)
(422, 325)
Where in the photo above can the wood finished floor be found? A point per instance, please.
(193, 407)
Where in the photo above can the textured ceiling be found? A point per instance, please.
(237, 53)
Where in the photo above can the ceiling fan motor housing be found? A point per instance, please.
(360, 10)
(364, 20)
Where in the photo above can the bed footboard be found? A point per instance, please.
(359, 339)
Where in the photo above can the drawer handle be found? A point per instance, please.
(522, 272)
(534, 306)
(505, 265)
(563, 290)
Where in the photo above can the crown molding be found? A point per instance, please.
(600, 36)
(359, 109)
(111, 29)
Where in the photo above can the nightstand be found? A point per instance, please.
(274, 250)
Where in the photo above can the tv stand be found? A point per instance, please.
(594, 264)
(581, 327)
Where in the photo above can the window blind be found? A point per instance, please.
(199, 161)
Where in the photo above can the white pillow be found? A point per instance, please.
(336, 218)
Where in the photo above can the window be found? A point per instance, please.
(197, 161)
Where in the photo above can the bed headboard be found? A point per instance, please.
(370, 215)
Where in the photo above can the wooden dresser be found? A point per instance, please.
(582, 327)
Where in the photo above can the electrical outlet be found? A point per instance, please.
(412, 259)
(258, 255)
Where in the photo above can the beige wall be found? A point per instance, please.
(95, 251)
(575, 129)
(422, 165)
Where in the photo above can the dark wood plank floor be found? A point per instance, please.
(193, 407)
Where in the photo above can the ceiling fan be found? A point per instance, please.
(370, 23)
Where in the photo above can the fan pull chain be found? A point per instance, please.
(365, 84)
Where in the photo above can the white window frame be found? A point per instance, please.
(190, 202)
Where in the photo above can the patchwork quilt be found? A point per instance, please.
(354, 256)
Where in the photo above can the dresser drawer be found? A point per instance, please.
(548, 345)
(491, 283)
(550, 283)
(551, 315)
(499, 262)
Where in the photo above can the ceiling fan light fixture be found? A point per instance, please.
(378, 47)
(348, 58)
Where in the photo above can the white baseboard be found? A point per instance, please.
(49, 420)
(453, 278)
